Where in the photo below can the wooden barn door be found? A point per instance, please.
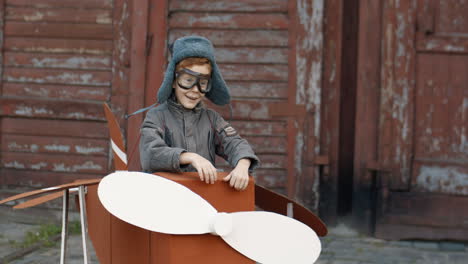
(421, 157)
(61, 59)
(271, 57)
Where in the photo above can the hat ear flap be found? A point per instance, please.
(166, 87)
(219, 93)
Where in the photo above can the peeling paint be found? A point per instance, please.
(23, 110)
(72, 62)
(76, 115)
(248, 110)
(34, 17)
(65, 50)
(14, 165)
(29, 111)
(449, 180)
(38, 166)
(87, 166)
(103, 18)
(299, 150)
(88, 150)
(59, 148)
(454, 48)
(69, 78)
(12, 146)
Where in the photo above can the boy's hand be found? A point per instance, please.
(239, 176)
(206, 170)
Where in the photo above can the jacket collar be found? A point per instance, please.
(180, 110)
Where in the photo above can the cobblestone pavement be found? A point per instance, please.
(344, 246)
(341, 246)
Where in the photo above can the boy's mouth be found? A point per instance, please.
(192, 97)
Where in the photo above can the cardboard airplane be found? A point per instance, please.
(104, 227)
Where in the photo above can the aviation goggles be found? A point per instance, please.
(187, 79)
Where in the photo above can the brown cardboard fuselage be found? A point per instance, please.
(118, 242)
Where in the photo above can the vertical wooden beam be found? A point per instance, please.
(291, 130)
(2, 39)
(309, 63)
(331, 91)
(397, 85)
(368, 84)
(137, 85)
(135, 96)
(157, 52)
(121, 60)
(347, 111)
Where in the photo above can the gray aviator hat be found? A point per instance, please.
(195, 46)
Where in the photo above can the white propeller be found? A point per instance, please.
(161, 205)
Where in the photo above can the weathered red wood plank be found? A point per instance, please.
(267, 145)
(58, 30)
(2, 42)
(271, 178)
(397, 91)
(62, 3)
(254, 72)
(44, 127)
(338, 14)
(427, 209)
(138, 57)
(57, 145)
(368, 84)
(56, 91)
(65, 61)
(252, 55)
(439, 176)
(158, 30)
(452, 17)
(228, 20)
(121, 59)
(244, 109)
(62, 15)
(230, 6)
(264, 90)
(442, 44)
(57, 76)
(254, 38)
(306, 40)
(433, 125)
(260, 128)
(41, 179)
(50, 45)
(75, 110)
(54, 163)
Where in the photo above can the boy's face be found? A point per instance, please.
(189, 98)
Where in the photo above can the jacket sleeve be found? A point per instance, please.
(155, 154)
(231, 146)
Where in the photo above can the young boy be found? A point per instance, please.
(181, 134)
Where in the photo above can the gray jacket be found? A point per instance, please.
(169, 130)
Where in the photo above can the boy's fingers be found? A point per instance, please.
(200, 174)
(233, 181)
(228, 177)
(239, 184)
(206, 173)
(211, 175)
(246, 182)
(215, 175)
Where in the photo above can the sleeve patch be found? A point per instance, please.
(230, 131)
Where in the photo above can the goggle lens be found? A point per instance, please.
(187, 79)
